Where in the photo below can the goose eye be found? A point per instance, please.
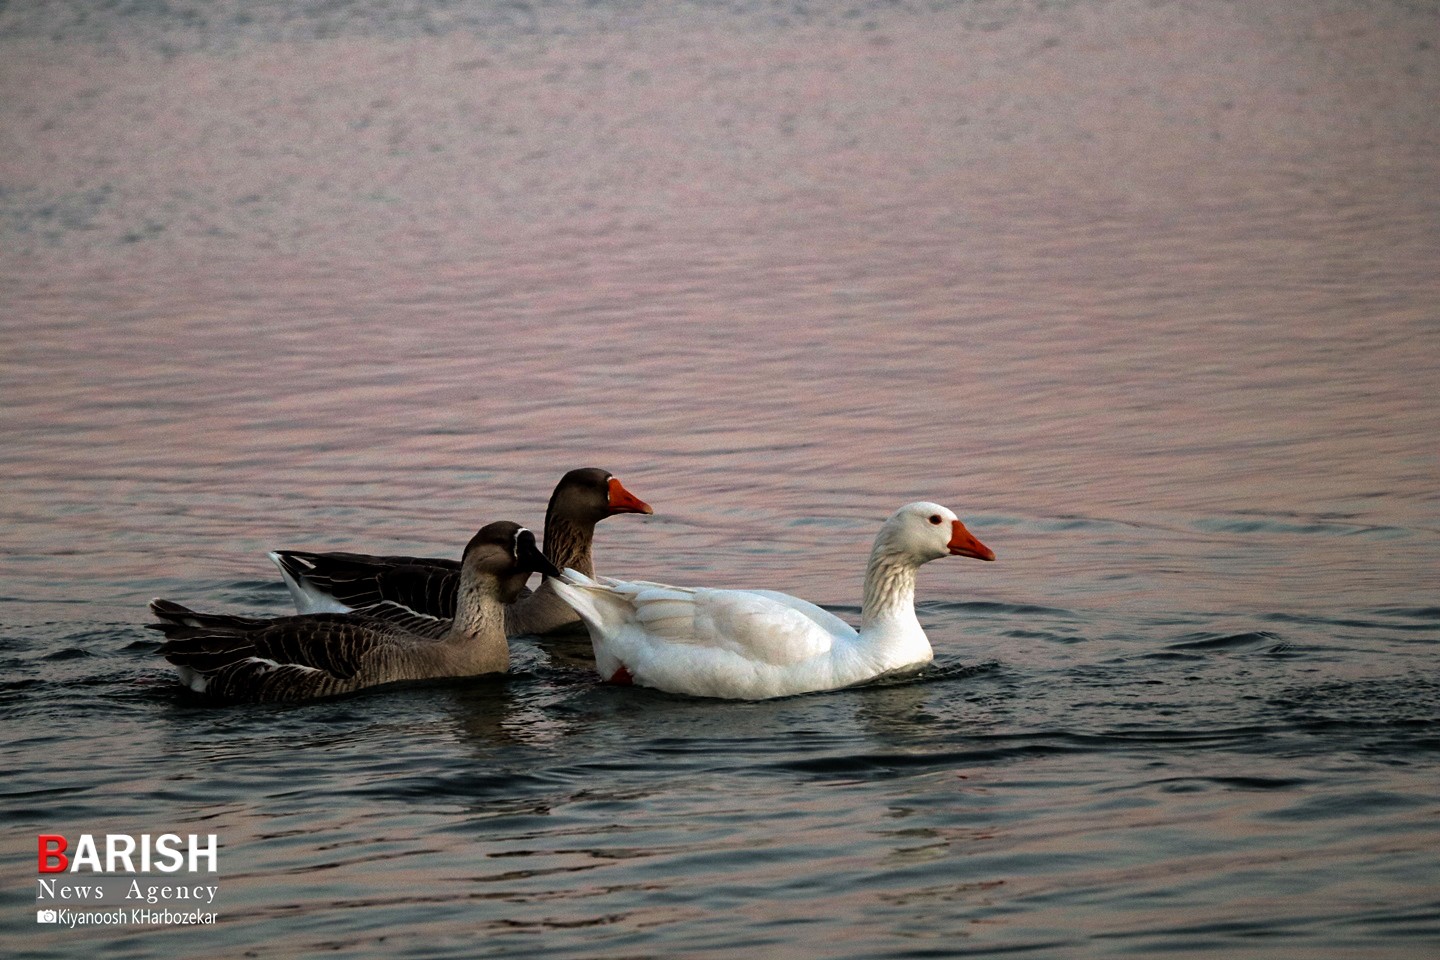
(935, 519)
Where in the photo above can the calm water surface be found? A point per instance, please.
(1146, 292)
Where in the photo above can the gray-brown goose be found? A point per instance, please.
(320, 655)
(419, 592)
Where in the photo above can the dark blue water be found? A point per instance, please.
(1146, 293)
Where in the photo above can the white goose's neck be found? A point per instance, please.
(890, 635)
(889, 590)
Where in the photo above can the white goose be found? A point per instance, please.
(756, 644)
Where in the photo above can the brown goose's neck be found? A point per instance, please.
(568, 542)
(479, 616)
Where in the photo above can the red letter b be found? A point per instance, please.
(52, 847)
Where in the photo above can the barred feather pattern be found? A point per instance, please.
(288, 658)
(412, 592)
(322, 654)
(419, 593)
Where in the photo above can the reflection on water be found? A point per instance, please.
(1146, 294)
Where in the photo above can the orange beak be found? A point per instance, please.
(964, 544)
(623, 501)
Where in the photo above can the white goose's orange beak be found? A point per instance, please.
(964, 544)
(623, 501)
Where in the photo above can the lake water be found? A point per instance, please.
(1146, 292)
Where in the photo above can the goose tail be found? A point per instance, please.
(596, 604)
(200, 644)
(307, 583)
(172, 614)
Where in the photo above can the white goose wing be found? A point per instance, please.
(761, 628)
(833, 624)
(820, 615)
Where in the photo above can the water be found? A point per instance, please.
(1145, 292)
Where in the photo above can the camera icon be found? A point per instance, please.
(46, 916)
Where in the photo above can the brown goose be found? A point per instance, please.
(324, 654)
(419, 592)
